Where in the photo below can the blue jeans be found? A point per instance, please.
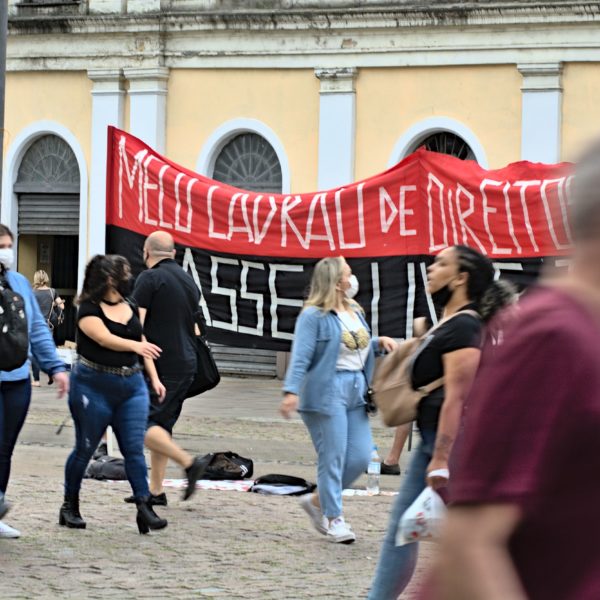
(97, 400)
(342, 440)
(15, 397)
(397, 563)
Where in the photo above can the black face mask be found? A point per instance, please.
(442, 296)
(125, 287)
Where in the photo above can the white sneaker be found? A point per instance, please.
(7, 532)
(339, 532)
(319, 522)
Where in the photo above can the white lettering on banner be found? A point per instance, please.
(430, 304)
(524, 185)
(148, 186)
(161, 197)
(361, 219)
(511, 228)
(499, 267)
(432, 179)
(410, 299)
(386, 200)
(487, 210)
(190, 265)
(404, 212)
(320, 200)
(563, 211)
(137, 163)
(188, 197)
(216, 289)
(276, 301)
(243, 209)
(375, 299)
(452, 219)
(211, 222)
(285, 218)
(462, 216)
(259, 235)
(258, 298)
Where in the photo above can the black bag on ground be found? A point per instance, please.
(207, 374)
(106, 468)
(14, 334)
(282, 485)
(228, 465)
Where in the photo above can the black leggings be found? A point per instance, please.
(15, 397)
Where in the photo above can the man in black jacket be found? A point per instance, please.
(168, 302)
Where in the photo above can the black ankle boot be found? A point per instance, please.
(146, 518)
(69, 515)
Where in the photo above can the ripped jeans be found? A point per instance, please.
(97, 400)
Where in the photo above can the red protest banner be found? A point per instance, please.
(423, 204)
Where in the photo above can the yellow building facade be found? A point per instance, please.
(334, 90)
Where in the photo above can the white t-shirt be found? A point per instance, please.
(354, 346)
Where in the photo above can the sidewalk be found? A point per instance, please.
(218, 545)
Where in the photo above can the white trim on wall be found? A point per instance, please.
(9, 208)
(211, 149)
(419, 131)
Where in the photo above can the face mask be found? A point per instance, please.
(352, 288)
(442, 296)
(7, 257)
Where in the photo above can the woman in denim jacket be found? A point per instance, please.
(15, 385)
(326, 384)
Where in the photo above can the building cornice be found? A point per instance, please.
(494, 33)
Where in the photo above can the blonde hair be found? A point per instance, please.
(323, 293)
(40, 279)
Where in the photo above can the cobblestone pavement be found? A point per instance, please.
(218, 545)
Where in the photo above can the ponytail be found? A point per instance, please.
(498, 295)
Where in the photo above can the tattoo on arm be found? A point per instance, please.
(443, 445)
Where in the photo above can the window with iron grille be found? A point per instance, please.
(447, 142)
(249, 162)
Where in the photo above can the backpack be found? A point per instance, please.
(393, 392)
(14, 333)
(56, 315)
(105, 468)
(282, 485)
(228, 465)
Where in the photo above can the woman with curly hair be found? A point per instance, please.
(108, 386)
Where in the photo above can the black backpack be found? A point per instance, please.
(106, 468)
(282, 485)
(14, 334)
(228, 465)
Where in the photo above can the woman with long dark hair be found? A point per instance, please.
(108, 387)
(461, 281)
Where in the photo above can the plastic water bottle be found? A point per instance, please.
(373, 473)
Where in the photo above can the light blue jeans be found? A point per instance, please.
(397, 563)
(342, 440)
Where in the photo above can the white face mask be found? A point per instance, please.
(352, 288)
(7, 257)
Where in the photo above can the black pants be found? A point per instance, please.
(15, 397)
(165, 413)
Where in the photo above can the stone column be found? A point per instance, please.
(148, 104)
(337, 127)
(107, 109)
(541, 116)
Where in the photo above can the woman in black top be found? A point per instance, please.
(461, 280)
(108, 387)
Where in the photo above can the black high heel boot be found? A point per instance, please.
(146, 518)
(69, 515)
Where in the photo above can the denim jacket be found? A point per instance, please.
(41, 344)
(315, 350)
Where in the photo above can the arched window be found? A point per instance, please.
(48, 188)
(247, 161)
(446, 142)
